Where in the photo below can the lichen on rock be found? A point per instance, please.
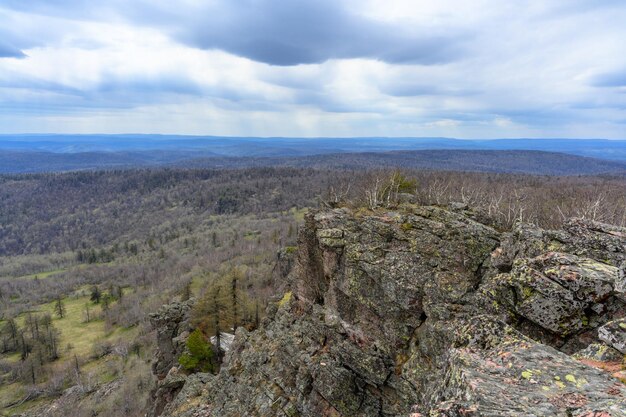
(426, 311)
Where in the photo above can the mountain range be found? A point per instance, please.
(57, 152)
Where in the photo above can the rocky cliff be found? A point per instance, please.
(424, 311)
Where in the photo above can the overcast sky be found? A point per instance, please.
(455, 68)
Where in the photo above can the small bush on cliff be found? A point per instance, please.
(199, 355)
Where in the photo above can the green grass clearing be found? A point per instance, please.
(74, 332)
(39, 275)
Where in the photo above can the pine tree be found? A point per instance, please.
(10, 332)
(24, 347)
(52, 343)
(96, 295)
(200, 353)
(59, 308)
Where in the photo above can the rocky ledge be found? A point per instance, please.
(425, 311)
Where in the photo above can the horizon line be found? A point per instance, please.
(299, 137)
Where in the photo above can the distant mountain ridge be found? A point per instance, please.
(285, 146)
(510, 161)
(514, 162)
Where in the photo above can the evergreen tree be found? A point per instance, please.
(96, 295)
(59, 308)
(24, 347)
(10, 333)
(52, 344)
(199, 355)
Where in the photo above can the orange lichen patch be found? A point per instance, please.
(610, 367)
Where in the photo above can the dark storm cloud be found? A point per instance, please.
(275, 32)
(305, 32)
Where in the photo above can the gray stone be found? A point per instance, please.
(614, 334)
(425, 311)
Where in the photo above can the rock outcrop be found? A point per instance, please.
(172, 329)
(424, 311)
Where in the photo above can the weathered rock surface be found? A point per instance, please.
(424, 311)
(172, 325)
(614, 334)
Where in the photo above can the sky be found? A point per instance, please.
(453, 68)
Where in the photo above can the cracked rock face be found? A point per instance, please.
(423, 311)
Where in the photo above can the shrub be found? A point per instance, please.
(199, 355)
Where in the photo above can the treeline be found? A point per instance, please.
(502, 199)
(46, 213)
(87, 212)
(161, 266)
(494, 161)
(36, 342)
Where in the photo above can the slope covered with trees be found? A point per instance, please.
(87, 256)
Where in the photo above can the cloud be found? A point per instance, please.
(315, 67)
(613, 79)
(161, 84)
(304, 32)
(275, 32)
(400, 88)
(445, 123)
(22, 31)
(9, 51)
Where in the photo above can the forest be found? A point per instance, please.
(85, 257)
